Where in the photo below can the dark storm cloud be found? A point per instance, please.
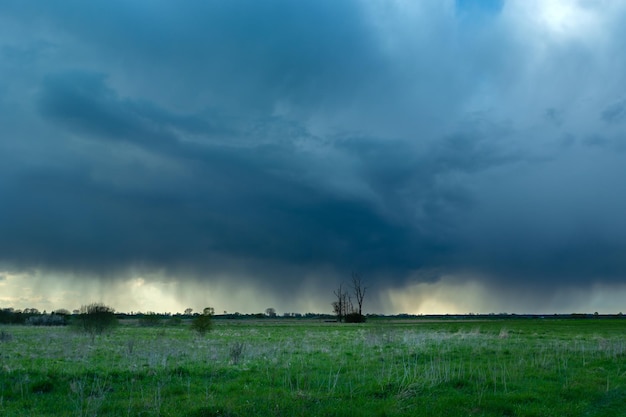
(267, 201)
(244, 53)
(342, 135)
(237, 201)
(252, 201)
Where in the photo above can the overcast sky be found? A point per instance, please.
(461, 156)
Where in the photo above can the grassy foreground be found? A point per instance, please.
(304, 368)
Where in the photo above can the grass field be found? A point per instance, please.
(306, 368)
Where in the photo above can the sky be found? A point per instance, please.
(460, 156)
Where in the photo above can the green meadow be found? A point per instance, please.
(515, 367)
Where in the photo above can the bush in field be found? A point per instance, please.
(354, 318)
(96, 318)
(203, 322)
(150, 319)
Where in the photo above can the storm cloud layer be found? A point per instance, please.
(291, 143)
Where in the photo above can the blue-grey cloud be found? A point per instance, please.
(385, 138)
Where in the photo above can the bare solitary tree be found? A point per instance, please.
(343, 305)
(359, 291)
(338, 303)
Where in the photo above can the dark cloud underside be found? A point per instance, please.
(383, 138)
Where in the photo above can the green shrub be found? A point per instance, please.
(95, 319)
(355, 318)
(204, 322)
(150, 319)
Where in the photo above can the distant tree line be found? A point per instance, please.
(33, 317)
(348, 311)
(62, 317)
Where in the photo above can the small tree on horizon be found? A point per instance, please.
(203, 323)
(343, 304)
(343, 307)
(96, 318)
(359, 291)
